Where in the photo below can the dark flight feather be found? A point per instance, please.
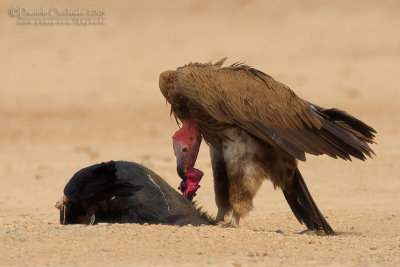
(304, 207)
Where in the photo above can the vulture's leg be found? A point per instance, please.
(244, 182)
(221, 186)
(245, 173)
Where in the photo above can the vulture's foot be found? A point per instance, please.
(234, 223)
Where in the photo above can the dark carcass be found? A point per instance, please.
(125, 192)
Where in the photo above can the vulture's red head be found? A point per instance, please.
(186, 143)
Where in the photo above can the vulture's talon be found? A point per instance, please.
(230, 225)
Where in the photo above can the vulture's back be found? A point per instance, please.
(215, 97)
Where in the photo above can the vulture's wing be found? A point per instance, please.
(268, 109)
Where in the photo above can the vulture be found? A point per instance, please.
(257, 128)
(125, 192)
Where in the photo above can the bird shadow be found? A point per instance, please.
(321, 233)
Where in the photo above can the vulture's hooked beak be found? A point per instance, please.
(180, 169)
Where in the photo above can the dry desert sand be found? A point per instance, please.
(73, 95)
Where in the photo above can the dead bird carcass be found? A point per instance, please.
(125, 192)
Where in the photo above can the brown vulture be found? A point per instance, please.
(125, 192)
(257, 128)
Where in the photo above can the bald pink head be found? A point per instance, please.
(188, 134)
(186, 144)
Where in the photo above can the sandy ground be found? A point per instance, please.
(73, 95)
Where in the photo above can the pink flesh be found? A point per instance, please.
(192, 182)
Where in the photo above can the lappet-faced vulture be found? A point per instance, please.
(257, 128)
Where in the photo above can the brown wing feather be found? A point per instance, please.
(250, 99)
(243, 96)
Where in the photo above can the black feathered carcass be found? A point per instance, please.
(125, 192)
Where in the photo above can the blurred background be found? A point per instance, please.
(76, 90)
(74, 95)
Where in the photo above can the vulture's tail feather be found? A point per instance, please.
(360, 129)
(346, 133)
(304, 207)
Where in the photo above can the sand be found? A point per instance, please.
(74, 95)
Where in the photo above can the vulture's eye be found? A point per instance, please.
(184, 149)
